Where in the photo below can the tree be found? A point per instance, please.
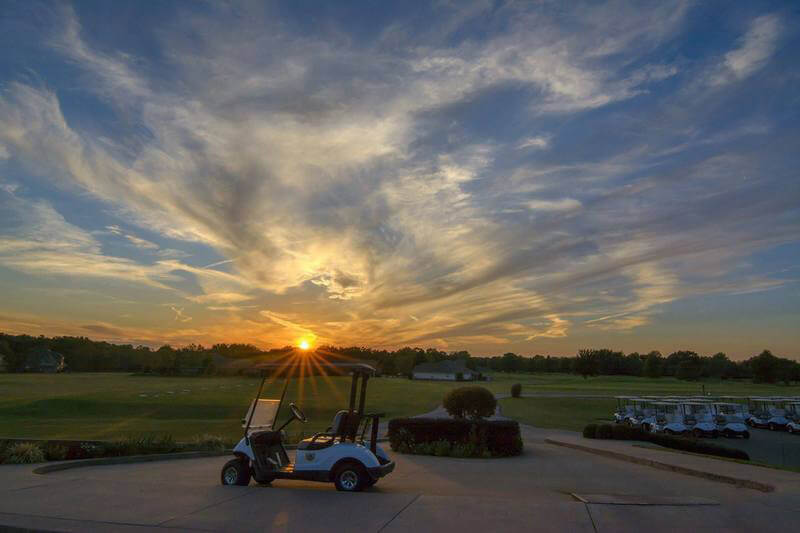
(470, 402)
(586, 363)
(765, 367)
(690, 368)
(652, 365)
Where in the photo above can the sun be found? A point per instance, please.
(304, 345)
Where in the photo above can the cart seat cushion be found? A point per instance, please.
(318, 444)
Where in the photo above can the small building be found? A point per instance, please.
(43, 359)
(447, 370)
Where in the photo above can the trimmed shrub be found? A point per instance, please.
(516, 390)
(23, 453)
(623, 432)
(463, 438)
(604, 431)
(470, 402)
(698, 446)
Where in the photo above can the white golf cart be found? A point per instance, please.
(341, 455)
(641, 411)
(624, 408)
(730, 419)
(793, 414)
(669, 419)
(700, 417)
(768, 413)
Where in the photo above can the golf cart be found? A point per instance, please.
(641, 411)
(668, 419)
(730, 418)
(700, 417)
(768, 413)
(793, 414)
(624, 408)
(344, 454)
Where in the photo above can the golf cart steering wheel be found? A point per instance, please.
(297, 413)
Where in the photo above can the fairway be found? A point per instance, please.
(110, 405)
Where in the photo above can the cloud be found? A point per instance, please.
(754, 50)
(539, 143)
(353, 195)
(563, 204)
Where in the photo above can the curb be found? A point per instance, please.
(720, 478)
(100, 461)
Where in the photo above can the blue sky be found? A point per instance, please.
(533, 177)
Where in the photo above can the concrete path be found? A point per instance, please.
(532, 492)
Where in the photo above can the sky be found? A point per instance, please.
(535, 177)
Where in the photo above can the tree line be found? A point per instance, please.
(82, 354)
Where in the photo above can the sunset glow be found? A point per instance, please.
(507, 177)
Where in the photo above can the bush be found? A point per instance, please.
(23, 453)
(455, 437)
(621, 432)
(698, 446)
(470, 402)
(55, 452)
(140, 445)
(210, 443)
(604, 431)
(516, 390)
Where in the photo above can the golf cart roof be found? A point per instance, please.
(728, 403)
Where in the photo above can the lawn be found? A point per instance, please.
(558, 413)
(109, 405)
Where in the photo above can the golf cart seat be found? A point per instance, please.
(323, 440)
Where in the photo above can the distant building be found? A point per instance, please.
(444, 371)
(43, 359)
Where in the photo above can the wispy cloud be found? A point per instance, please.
(557, 170)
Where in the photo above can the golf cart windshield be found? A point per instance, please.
(264, 416)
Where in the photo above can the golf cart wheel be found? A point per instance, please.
(773, 427)
(746, 434)
(669, 431)
(236, 472)
(714, 434)
(727, 433)
(351, 477)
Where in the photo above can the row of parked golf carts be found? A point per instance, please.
(729, 416)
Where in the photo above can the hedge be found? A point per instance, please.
(455, 437)
(687, 444)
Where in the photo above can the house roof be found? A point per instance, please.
(41, 355)
(443, 367)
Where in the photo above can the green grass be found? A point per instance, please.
(113, 405)
(627, 385)
(106, 405)
(558, 413)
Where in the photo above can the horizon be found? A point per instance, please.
(488, 177)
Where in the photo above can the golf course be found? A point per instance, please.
(112, 405)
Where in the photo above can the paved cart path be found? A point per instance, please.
(527, 493)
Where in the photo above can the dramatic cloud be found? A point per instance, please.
(469, 176)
